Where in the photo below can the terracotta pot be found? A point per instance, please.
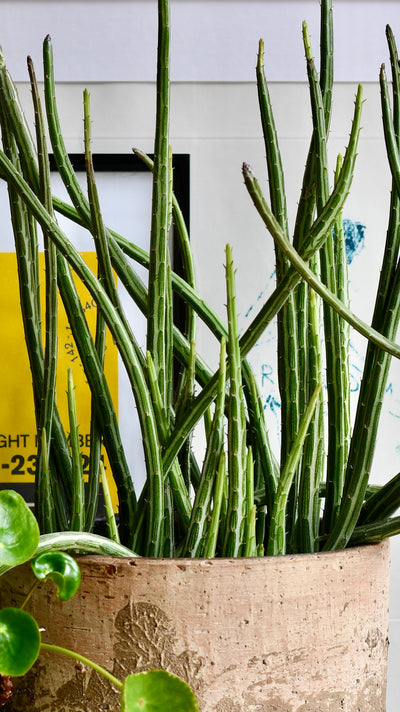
(284, 634)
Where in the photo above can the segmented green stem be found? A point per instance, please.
(306, 207)
(273, 156)
(104, 409)
(45, 509)
(374, 532)
(301, 266)
(111, 522)
(305, 536)
(27, 257)
(159, 326)
(63, 163)
(102, 403)
(382, 503)
(376, 366)
(97, 225)
(261, 443)
(159, 315)
(212, 530)
(14, 127)
(307, 310)
(176, 480)
(315, 236)
(287, 318)
(338, 383)
(235, 519)
(197, 531)
(250, 548)
(187, 391)
(106, 276)
(78, 489)
(50, 351)
(26, 262)
(181, 232)
(184, 382)
(277, 534)
(17, 120)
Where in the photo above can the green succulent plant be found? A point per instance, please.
(237, 498)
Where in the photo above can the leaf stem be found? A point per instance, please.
(76, 656)
(29, 594)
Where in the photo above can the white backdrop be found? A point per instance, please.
(212, 40)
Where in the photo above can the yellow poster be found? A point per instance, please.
(17, 419)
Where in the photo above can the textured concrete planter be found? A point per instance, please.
(285, 634)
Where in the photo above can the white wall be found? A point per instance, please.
(212, 40)
(215, 119)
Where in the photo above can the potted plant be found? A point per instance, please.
(239, 515)
(20, 637)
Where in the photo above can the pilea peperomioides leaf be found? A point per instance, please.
(60, 568)
(157, 691)
(19, 531)
(19, 642)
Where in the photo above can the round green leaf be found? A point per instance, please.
(60, 568)
(19, 642)
(157, 691)
(19, 530)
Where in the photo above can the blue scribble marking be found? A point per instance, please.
(355, 377)
(354, 235)
(266, 374)
(394, 409)
(272, 403)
